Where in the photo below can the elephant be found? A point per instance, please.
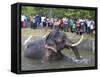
(49, 48)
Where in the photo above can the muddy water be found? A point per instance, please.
(31, 64)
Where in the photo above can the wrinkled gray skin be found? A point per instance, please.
(56, 39)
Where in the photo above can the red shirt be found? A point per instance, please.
(61, 22)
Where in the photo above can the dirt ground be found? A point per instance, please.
(31, 64)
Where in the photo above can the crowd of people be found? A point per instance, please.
(66, 24)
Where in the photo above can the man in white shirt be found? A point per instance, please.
(23, 20)
(92, 26)
(88, 26)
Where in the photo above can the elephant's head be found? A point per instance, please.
(57, 40)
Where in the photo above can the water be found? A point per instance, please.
(32, 64)
(85, 51)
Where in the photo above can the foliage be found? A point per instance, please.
(58, 12)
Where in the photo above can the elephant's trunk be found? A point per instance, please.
(51, 48)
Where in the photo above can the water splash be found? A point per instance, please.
(80, 61)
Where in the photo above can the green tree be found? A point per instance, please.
(59, 12)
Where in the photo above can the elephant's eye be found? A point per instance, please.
(54, 36)
(63, 40)
(63, 37)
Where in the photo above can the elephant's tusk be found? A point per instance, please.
(78, 42)
(27, 40)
